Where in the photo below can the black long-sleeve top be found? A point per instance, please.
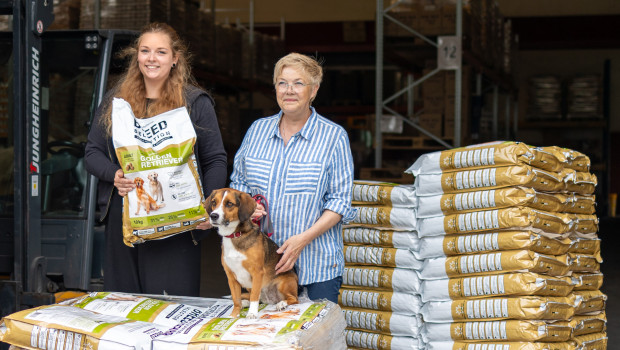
(100, 157)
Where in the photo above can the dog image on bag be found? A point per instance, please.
(157, 190)
(144, 199)
(249, 257)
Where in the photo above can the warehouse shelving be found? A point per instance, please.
(405, 54)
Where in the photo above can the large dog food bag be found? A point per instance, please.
(172, 325)
(508, 236)
(157, 153)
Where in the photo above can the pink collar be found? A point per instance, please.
(234, 235)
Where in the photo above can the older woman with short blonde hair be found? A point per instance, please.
(302, 163)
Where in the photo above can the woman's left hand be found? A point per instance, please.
(290, 251)
(204, 225)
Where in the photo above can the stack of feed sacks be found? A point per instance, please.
(511, 256)
(380, 289)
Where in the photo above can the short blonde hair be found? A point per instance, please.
(306, 64)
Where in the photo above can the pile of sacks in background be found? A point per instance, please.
(380, 294)
(503, 253)
(132, 322)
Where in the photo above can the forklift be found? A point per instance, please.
(50, 84)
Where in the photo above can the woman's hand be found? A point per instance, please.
(123, 184)
(290, 251)
(259, 212)
(204, 225)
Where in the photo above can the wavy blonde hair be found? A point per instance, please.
(131, 86)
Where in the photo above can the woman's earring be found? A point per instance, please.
(174, 65)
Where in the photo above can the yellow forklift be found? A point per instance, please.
(50, 84)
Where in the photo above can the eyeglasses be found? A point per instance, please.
(298, 86)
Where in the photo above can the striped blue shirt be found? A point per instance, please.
(312, 173)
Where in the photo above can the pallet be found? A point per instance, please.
(393, 175)
(413, 143)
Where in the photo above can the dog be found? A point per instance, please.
(144, 199)
(157, 191)
(249, 257)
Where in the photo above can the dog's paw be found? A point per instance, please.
(281, 305)
(252, 315)
(245, 303)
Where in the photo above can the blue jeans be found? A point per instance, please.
(325, 290)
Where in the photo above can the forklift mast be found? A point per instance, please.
(56, 78)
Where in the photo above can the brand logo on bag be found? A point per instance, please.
(154, 133)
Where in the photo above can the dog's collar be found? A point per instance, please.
(234, 235)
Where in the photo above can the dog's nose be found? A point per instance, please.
(214, 216)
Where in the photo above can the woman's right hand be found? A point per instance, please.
(259, 212)
(123, 184)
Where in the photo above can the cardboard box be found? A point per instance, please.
(448, 116)
(431, 122)
(429, 19)
(434, 85)
(433, 104)
(466, 82)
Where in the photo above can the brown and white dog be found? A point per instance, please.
(249, 257)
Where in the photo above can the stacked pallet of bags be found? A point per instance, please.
(511, 255)
(380, 290)
(122, 321)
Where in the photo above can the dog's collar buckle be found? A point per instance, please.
(234, 235)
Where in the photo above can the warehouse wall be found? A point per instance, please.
(566, 64)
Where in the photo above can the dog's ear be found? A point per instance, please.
(247, 205)
(207, 204)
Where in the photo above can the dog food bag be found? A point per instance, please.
(379, 256)
(486, 179)
(390, 279)
(587, 281)
(489, 199)
(580, 204)
(509, 284)
(301, 326)
(586, 246)
(583, 263)
(486, 155)
(157, 154)
(569, 158)
(149, 310)
(450, 245)
(359, 340)
(66, 327)
(585, 226)
(589, 301)
(521, 218)
(382, 193)
(586, 324)
(385, 217)
(493, 345)
(521, 308)
(381, 237)
(397, 302)
(493, 263)
(579, 182)
(508, 330)
(382, 322)
(593, 341)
